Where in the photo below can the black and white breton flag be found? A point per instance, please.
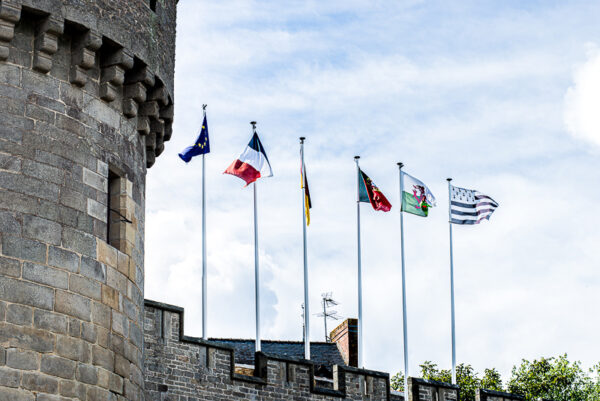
(468, 206)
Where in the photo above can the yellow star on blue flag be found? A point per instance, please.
(200, 147)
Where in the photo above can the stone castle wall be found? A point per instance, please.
(86, 104)
(181, 368)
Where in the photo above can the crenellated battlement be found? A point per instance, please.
(119, 52)
(182, 366)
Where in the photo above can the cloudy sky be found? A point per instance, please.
(501, 96)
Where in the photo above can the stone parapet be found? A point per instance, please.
(178, 366)
(431, 390)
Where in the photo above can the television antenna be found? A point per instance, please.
(327, 301)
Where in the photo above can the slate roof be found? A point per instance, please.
(324, 355)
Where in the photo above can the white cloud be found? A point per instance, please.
(582, 100)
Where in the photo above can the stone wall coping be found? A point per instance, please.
(434, 383)
(262, 359)
(500, 394)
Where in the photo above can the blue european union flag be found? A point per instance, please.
(200, 147)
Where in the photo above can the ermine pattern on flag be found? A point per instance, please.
(469, 206)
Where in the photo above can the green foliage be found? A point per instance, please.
(552, 378)
(397, 382)
(466, 378)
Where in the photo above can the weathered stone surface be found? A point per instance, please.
(19, 314)
(57, 366)
(22, 359)
(42, 229)
(103, 357)
(73, 348)
(79, 242)
(86, 287)
(26, 338)
(93, 269)
(8, 222)
(10, 267)
(26, 293)
(9, 378)
(23, 248)
(87, 374)
(10, 394)
(63, 259)
(45, 275)
(39, 382)
(53, 322)
(73, 305)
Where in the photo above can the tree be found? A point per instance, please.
(397, 382)
(466, 378)
(552, 378)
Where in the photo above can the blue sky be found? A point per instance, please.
(501, 96)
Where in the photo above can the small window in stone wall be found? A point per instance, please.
(120, 211)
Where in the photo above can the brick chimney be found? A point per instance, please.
(346, 338)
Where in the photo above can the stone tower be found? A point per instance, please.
(86, 104)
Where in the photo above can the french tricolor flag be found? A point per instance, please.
(252, 164)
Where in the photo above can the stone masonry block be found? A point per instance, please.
(42, 230)
(39, 382)
(103, 357)
(110, 297)
(73, 348)
(116, 280)
(15, 395)
(45, 275)
(9, 378)
(107, 254)
(19, 314)
(96, 209)
(73, 305)
(89, 332)
(53, 322)
(95, 180)
(57, 366)
(26, 293)
(101, 315)
(93, 269)
(26, 338)
(8, 223)
(23, 248)
(119, 323)
(86, 287)
(63, 259)
(10, 267)
(72, 388)
(79, 242)
(87, 374)
(99, 394)
(102, 168)
(22, 359)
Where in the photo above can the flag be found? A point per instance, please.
(252, 163)
(468, 206)
(416, 197)
(200, 147)
(307, 202)
(368, 192)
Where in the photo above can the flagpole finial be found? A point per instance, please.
(204, 107)
(356, 157)
(302, 139)
(448, 179)
(253, 123)
(400, 165)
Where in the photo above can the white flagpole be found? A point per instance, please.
(452, 284)
(306, 308)
(404, 327)
(204, 286)
(360, 321)
(256, 269)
